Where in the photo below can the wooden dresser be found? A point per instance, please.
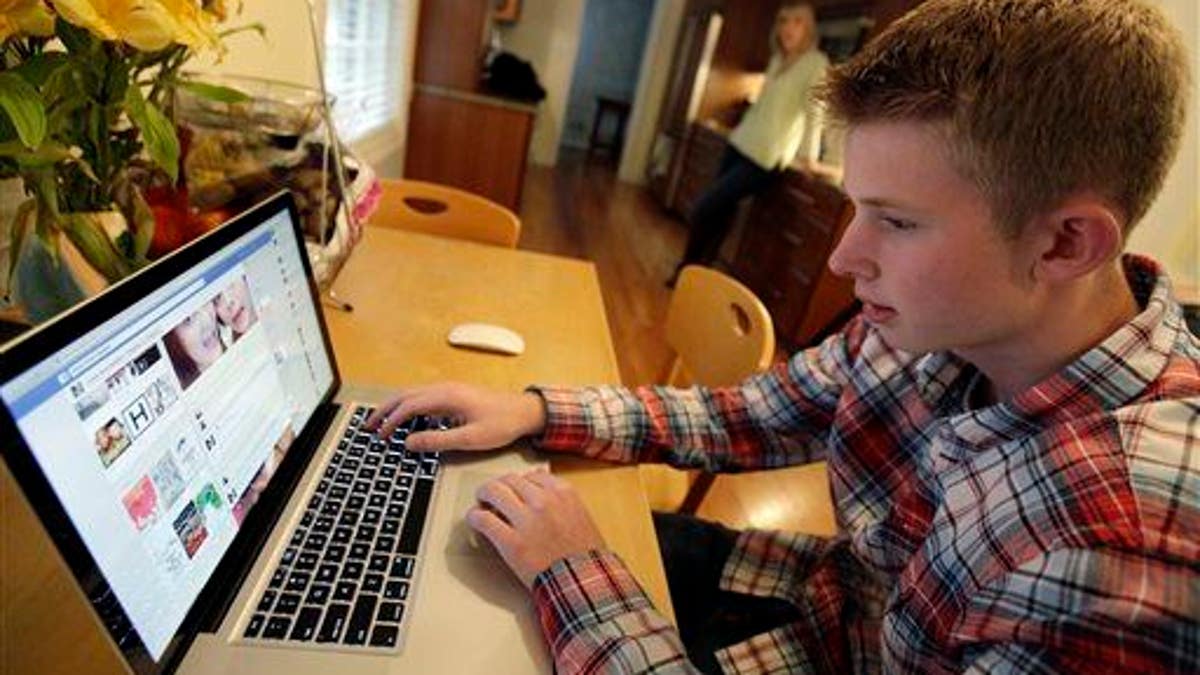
(784, 240)
(694, 167)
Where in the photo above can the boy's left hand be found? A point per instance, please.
(533, 520)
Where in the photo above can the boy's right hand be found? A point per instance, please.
(483, 418)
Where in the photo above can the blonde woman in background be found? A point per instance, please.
(782, 124)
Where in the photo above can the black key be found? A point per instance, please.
(318, 594)
(313, 502)
(384, 636)
(361, 487)
(278, 578)
(297, 537)
(372, 516)
(352, 570)
(372, 583)
(385, 543)
(288, 557)
(297, 582)
(408, 466)
(326, 573)
(365, 533)
(404, 480)
(322, 487)
(344, 477)
(390, 526)
(382, 486)
(324, 524)
(388, 472)
(255, 626)
(342, 534)
(306, 624)
(390, 611)
(378, 563)
(307, 560)
(335, 553)
(355, 502)
(306, 519)
(338, 492)
(429, 468)
(348, 518)
(402, 568)
(350, 465)
(277, 627)
(373, 459)
(334, 623)
(377, 501)
(330, 508)
(359, 550)
(330, 471)
(316, 542)
(264, 603)
(360, 620)
(415, 522)
(288, 602)
(394, 510)
(395, 590)
(345, 591)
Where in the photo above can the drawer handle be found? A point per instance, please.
(792, 238)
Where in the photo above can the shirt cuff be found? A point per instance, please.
(584, 590)
(567, 429)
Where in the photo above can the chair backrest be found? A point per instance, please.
(720, 331)
(445, 211)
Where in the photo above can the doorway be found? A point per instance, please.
(612, 40)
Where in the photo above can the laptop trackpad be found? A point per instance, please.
(470, 557)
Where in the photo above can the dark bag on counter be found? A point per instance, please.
(512, 77)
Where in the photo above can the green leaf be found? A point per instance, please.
(25, 110)
(257, 27)
(77, 40)
(39, 67)
(157, 131)
(214, 92)
(93, 242)
(47, 155)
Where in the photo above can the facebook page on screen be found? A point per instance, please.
(159, 429)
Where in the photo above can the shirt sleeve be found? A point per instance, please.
(1070, 610)
(778, 418)
(597, 619)
(812, 115)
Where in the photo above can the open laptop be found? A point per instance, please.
(187, 442)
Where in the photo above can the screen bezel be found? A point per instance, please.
(45, 340)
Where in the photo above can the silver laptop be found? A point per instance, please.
(187, 442)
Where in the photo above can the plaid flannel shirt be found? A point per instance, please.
(1058, 530)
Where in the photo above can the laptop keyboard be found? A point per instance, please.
(346, 575)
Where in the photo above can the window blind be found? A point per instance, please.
(362, 63)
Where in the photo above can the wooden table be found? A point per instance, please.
(409, 290)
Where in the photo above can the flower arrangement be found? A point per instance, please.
(86, 89)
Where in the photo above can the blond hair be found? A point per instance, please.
(1039, 99)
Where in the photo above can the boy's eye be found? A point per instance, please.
(898, 223)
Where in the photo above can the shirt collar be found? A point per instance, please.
(1104, 378)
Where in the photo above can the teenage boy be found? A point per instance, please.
(1012, 425)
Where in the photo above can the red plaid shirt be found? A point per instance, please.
(1055, 531)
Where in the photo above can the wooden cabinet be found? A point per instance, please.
(469, 141)
(786, 236)
(459, 135)
(694, 168)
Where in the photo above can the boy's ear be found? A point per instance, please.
(1079, 236)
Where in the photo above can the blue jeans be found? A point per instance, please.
(694, 554)
(712, 216)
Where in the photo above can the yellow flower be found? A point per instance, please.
(30, 17)
(196, 27)
(144, 24)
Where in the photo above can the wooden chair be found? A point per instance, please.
(721, 333)
(441, 210)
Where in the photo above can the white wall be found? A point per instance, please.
(1171, 230)
(547, 35)
(652, 84)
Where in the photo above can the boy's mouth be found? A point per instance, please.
(877, 313)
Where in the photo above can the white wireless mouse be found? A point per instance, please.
(486, 337)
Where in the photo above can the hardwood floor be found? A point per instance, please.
(579, 209)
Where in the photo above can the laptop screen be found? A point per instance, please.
(159, 428)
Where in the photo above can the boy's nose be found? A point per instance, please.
(849, 258)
